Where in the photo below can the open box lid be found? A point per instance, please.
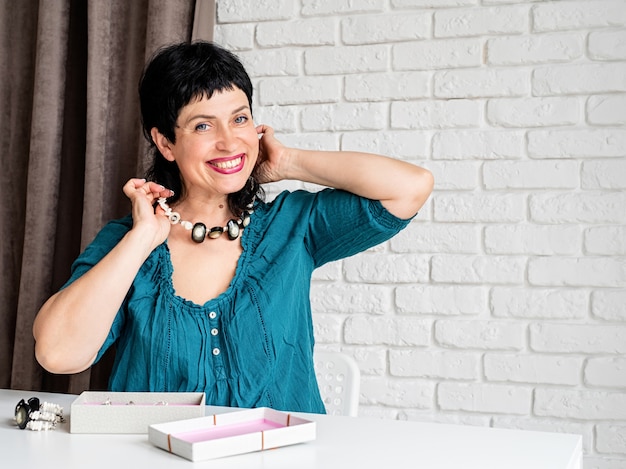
(132, 412)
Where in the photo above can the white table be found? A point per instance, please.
(342, 442)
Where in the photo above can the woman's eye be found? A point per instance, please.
(241, 119)
(202, 127)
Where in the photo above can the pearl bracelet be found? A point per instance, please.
(37, 416)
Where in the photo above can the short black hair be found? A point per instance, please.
(175, 76)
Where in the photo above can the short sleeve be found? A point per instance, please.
(102, 244)
(342, 224)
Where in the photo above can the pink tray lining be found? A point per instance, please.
(226, 431)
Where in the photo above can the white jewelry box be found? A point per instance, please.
(132, 412)
(231, 433)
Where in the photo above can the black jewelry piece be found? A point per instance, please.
(36, 415)
(199, 231)
(24, 409)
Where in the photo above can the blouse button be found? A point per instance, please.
(214, 331)
(212, 314)
(216, 351)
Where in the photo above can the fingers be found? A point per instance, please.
(133, 184)
(148, 188)
(264, 129)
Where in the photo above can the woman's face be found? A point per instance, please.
(216, 143)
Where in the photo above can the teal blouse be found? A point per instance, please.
(252, 346)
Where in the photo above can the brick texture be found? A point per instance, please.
(503, 303)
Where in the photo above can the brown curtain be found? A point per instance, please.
(71, 138)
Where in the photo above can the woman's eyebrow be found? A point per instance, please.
(209, 117)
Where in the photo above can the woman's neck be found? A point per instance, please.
(202, 208)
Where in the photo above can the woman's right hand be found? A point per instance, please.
(151, 222)
(73, 324)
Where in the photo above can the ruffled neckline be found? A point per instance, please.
(248, 238)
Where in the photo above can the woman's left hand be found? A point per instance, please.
(272, 163)
(401, 187)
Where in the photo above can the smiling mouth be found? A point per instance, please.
(227, 164)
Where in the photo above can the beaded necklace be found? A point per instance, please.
(199, 231)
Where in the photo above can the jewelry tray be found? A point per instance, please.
(231, 433)
(132, 412)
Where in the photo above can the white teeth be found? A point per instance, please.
(228, 164)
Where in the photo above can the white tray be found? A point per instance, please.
(132, 412)
(231, 433)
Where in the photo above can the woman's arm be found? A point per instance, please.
(72, 325)
(401, 187)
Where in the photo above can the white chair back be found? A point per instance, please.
(339, 379)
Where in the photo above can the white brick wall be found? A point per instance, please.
(504, 301)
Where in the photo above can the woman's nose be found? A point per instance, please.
(225, 138)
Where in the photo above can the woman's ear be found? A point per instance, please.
(162, 143)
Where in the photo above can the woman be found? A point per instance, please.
(205, 287)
